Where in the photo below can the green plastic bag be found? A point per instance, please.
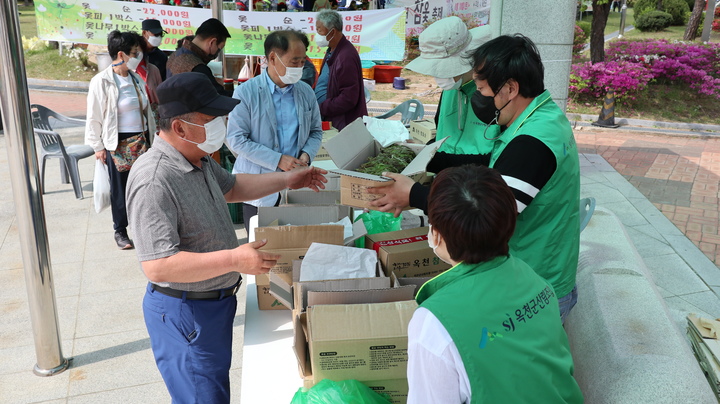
(377, 222)
(341, 392)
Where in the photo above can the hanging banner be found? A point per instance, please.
(421, 13)
(376, 34)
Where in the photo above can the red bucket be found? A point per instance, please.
(386, 74)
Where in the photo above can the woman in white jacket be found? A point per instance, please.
(119, 122)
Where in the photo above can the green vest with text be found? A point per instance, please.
(459, 123)
(547, 234)
(505, 321)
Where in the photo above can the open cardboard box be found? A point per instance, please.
(322, 154)
(292, 242)
(367, 342)
(406, 253)
(352, 147)
(378, 333)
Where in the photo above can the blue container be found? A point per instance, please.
(399, 83)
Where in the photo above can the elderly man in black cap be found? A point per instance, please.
(185, 240)
(153, 33)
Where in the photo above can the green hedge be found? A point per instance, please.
(653, 21)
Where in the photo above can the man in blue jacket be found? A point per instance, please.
(276, 126)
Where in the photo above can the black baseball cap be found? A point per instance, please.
(191, 92)
(153, 26)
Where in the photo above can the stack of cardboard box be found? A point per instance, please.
(347, 328)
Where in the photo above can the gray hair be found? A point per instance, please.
(330, 19)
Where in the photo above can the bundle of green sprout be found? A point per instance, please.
(392, 159)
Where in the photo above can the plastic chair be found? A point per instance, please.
(367, 95)
(53, 147)
(587, 207)
(410, 110)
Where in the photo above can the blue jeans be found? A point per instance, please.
(192, 344)
(567, 302)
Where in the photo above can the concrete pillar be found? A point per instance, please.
(551, 25)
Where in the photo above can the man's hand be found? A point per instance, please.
(310, 177)
(249, 260)
(305, 158)
(100, 155)
(287, 163)
(395, 196)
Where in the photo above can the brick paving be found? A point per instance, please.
(680, 175)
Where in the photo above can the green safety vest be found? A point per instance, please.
(466, 133)
(505, 321)
(547, 233)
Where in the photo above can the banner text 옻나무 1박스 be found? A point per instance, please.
(377, 34)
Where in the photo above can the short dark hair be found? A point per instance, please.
(213, 28)
(182, 40)
(121, 42)
(510, 57)
(474, 211)
(279, 41)
(141, 42)
(166, 123)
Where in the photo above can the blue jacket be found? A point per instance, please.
(252, 129)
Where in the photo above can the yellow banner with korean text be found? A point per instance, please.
(376, 34)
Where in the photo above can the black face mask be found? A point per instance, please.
(483, 107)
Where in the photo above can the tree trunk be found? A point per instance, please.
(695, 19)
(597, 30)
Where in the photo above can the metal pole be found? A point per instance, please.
(707, 25)
(623, 13)
(26, 186)
(217, 12)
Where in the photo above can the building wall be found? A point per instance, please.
(551, 25)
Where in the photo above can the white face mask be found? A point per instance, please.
(431, 243)
(154, 41)
(215, 132)
(322, 40)
(292, 74)
(448, 84)
(134, 62)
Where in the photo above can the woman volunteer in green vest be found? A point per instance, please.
(443, 54)
(534, 150)
(488, 329)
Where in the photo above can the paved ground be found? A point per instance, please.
(680, 175)
(99, 288)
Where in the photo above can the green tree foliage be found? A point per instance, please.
(653, 21)
(678, 9)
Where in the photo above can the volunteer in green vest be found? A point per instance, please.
(444, 47)
(536, 154)
(488, 329)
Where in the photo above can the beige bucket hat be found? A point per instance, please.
(444, 46)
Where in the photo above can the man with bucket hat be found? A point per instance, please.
(186, 242)
(153, 33)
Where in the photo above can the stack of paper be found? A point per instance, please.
(704, 335)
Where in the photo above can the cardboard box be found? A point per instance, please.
(406, 253)
(359, 341)
(418, 282)
(322, 154)
(266, 301)
(351, 148)
(309, 197)
(292, 242)
(422, 130)
(295, 296)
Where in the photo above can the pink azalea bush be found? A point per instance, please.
(631, 65)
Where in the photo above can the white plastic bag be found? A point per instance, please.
(101, 187)
(245, 72)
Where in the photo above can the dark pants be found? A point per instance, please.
(192, 344)
(118, 184)
(250, 211)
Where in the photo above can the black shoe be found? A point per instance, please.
(122, 240)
